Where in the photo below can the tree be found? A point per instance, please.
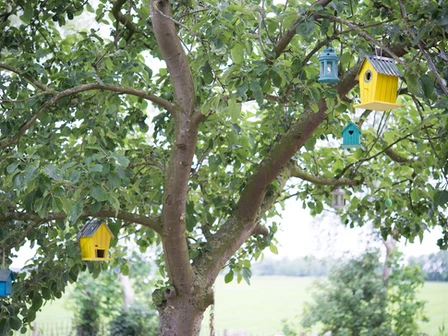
(240, 123)
(357, 301)
(434, 265)
(111, 297)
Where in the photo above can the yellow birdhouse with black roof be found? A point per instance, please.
(378, 83)
(94, 240)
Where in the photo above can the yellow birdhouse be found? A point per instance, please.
(94, 239)
(378, 83)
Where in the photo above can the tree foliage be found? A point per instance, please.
(238, 123)
(356, 301)
(434, 265)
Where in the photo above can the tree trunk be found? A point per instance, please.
(390, 244)
(180, 317)
(128, 292)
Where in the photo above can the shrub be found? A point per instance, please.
(357, 301)
(136, 321)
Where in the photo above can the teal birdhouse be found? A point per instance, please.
(6, 278)
(351, 136)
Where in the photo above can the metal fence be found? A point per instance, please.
(66, 328)
(56, 328)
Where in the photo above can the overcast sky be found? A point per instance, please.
(302, 235)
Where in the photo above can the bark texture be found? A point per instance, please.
(179, 317)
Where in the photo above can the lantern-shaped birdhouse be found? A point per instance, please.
(351, 136)
(328, 66)
(6, 278)
(94, 239)
(338, 198)
(378, 83)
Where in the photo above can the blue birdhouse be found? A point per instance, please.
(351, 136)
(6, 278)
(328, 66)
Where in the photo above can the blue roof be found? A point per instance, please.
(350, 125)
(89, 229)
(5, 274)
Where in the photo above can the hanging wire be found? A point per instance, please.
(3, 261)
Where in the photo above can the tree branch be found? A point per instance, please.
(79, 89)
(150, 222)
(342, 181)
(174, 55)
(29, 78)
(290, 32)
(116, 12)
(360, 161)
(361, 32)
(272, 169)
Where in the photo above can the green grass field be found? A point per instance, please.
(260, 308)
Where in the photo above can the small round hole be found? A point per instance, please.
(367, 76)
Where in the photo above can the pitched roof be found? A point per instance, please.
(384, 65)
(350, 125)
(90, 228)
(4, 275)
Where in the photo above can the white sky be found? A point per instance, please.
(302, 235)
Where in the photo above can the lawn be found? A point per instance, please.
(260, 308)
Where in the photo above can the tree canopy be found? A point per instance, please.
(195, 156)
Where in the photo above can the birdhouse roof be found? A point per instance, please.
(5, 274)
(349, 126)
(89, 229)
(383, 65)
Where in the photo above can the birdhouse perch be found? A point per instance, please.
(378, 83)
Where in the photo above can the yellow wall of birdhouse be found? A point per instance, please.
(380, 93)
(100, 240)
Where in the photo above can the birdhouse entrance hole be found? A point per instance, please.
(351, 132)
(368, 76)
(99, 253)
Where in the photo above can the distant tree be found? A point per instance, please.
(303, 266)
(435, 265)
(105, 297)
(357, 301)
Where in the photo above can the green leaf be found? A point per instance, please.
(4, 325)
(306, 28)
(75, 212)
(53, 172)
(228, 277)
(124, 269)
(27, 13)
(427, 85)
(237, 53)
(15, 323)
(441, 197)
(97, 168)
(46, 294)
(122, 160)
(12, 167)
(99, 194)
(234, 109)
(246, 273)
(257, 91)
(273, 248)
(29, 174)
